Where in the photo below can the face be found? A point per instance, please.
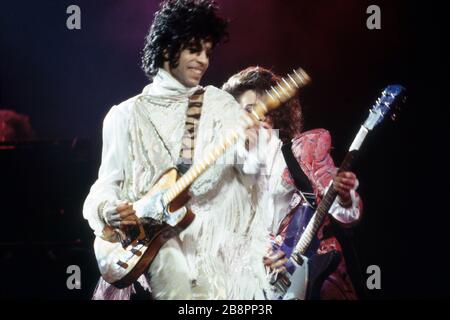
(248, 101)
(192, 65)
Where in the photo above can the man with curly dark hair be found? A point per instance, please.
(180, 25)
(276, 193)
(173, 123)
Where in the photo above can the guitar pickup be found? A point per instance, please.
(122, 264)
(136, 252)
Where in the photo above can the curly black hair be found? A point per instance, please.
(287, 118)
(179, 24)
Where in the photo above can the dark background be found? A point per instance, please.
(66, 81)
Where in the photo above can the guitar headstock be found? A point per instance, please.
(388, 104)
(284, 90)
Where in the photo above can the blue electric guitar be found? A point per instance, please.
(304, 267)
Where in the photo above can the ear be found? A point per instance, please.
(166, 54)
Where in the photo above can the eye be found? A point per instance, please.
(194, 48)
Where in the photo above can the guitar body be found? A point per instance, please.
(299, 220)
(305, 279)
(122, 261)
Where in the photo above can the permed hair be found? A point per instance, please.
(287, 118)
(179, 24)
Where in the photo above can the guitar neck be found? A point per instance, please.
(323, 209)
(383, 107)
(195, 171)
(386, 105)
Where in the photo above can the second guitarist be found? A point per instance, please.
(277, 194)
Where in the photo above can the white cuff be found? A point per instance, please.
(346, 215)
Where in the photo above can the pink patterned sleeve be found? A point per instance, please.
(312, 151)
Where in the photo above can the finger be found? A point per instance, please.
(282, 269)
(111, 211)
(342, 187)
(126, 213)
(114, 217)
(277, 256)
(346, 174)
(131, 217)
(125, 223)
(279, 263)
(123, 206)
(347, 181)
(114, 224)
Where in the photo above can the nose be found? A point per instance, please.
(203, 58)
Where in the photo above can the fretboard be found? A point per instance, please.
(196, 170)
(322, 210)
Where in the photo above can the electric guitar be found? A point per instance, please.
(303, 268)
(124, 255)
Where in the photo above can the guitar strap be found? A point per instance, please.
(193, 114)
(300, 179)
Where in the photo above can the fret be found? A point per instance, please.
(287, 83)
(300, 77)
(283, 90)
(293, 81)
(276, 93)
(270, 95)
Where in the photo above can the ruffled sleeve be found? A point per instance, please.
(107, 188)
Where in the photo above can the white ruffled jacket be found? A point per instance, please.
(224, 246)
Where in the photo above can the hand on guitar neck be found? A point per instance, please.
(343, 183)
